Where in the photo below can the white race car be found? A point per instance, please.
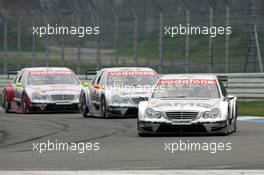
(117, 91)
(188, 104)
(42, 89)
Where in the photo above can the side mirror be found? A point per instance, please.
(97, 86)
(18, 85)
(230, 97)
(86, 84)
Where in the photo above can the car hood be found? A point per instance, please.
(183, 105)
(54, 89)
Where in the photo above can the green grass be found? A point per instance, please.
(174, 48)
(252, 108)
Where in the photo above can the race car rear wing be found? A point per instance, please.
(89, 74)
(224, 80)
(11, 72)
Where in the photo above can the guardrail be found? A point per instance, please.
(246, 86)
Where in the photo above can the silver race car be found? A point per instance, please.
(117, 92)
(188, 104)
(42, 89)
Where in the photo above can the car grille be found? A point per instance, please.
(181, 115)
(139, 99)
(62, 97)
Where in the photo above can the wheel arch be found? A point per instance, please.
(8, 89)
(233, 107)
(86, 94)
(24, 93)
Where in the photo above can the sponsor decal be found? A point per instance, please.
(187, 81)
(50, 72)
(181, 105)
(131, 73)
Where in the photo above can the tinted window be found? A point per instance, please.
(132, 78)
(52, 77)
(223, 89)
(18, 77)
(94, 80)
(173, 89)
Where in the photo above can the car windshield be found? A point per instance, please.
(52, 78)
(132, 78)
(186, 89)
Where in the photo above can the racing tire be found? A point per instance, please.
(24, 104)
(235, 125)
(231, 125)
(83, 108)
(226, 131)
(235, 121)
(5, 103)
(104, 113)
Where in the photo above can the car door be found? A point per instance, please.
(100, 91)
(14, 102)
(229, 100)
(97, 92)
(18, 87)
(93, 94)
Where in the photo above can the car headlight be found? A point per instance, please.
(151, 113)
(125, 100)
(118, 99)
(37, 96)
(214, 113)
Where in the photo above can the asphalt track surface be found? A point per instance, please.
(120, 147)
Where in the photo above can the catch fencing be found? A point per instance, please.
(132, 33)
